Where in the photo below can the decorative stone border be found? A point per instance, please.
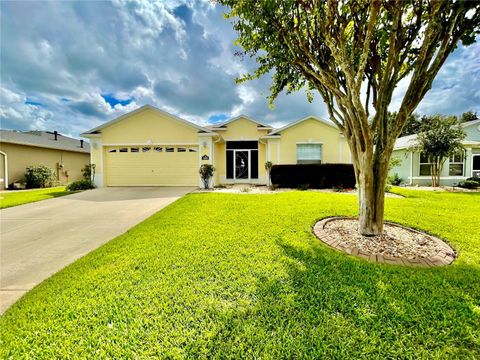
(444, 257)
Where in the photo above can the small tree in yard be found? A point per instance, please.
(344, 49)
(206, 172)
(88, 172)
(438, 139)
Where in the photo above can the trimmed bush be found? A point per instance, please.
(206, 172)
(39, 176)
(80, 185)
(313, 176)
(476, 179)
(394, 180)
(468, 184)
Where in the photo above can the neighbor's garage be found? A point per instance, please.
(154, 165)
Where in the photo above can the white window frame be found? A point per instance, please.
(450, 162)
(300, 161)
(420, 163)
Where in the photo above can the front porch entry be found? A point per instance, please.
(242, 161)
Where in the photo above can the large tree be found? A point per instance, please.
(354, 53)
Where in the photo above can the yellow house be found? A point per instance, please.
(150, 147)
(64, 155)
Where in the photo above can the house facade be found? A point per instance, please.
(150, 147)
(415, 168)
(66, 156)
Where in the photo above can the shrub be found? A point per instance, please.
(388, 188)
(39, 176)
(80, 185)
(394, 179)
(317, 176)
(468, 184)
(476, 179)
(206, 172)
(268, 169)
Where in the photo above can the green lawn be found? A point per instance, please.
(242, 276)
(14, 198)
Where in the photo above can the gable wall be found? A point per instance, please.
(149, 125)
(334, 148)
(473, 132)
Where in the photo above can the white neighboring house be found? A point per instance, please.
(415, 168)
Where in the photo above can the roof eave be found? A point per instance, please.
(79, 150)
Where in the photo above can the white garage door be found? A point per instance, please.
(155, 165)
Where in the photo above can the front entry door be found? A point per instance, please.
(242, 164)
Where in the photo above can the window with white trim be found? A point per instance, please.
(425, 167)
(192, 149)
(134, 149)
(112, 150)
(455, 165)
(309, 153)
(181, 149)
(158, 149)
(146, 149)
(123, 150)
(169, 149)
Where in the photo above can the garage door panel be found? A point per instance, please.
(152, 168)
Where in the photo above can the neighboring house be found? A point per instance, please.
(149, 147)
(415, 168)
(18, 149)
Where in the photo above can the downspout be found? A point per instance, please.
(411, 168)
(5, 168)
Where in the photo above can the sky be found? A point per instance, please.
(72, 65)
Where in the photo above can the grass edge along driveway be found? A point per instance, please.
(20, 197)
(235, 276)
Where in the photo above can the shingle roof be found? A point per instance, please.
(43, 139)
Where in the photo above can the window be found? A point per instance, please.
(169, 149)
(192, 150)
(181, 149)
(112, 150)
(425, 165)
(123, 150)
(158, 149)
(309, 153)
(145, 149)
(455, 167)
(135, 149)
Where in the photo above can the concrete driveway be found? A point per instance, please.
(38, 239)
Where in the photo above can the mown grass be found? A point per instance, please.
(241, 276)
(14, 198)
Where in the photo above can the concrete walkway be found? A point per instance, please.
(38, 239)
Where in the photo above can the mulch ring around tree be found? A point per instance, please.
(397, 245)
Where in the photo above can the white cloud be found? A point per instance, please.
(13, 108)
(177, 55)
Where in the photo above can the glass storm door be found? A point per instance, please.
(476, 165)
(241, 164)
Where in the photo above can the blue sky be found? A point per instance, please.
(71, 65)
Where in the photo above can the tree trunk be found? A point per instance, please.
(371, 180)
